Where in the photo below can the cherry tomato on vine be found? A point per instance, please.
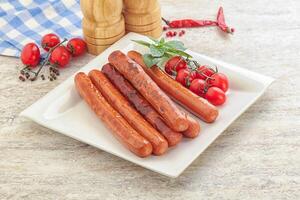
(49, 41)
(185, 77)
(76, 46)
(215, 96)
(60, 56)
(190, 78)
(203, 72)
(181, 76)
(30, 55)
(175, 64)
(219, 80)
(198, 86)
(169, 70)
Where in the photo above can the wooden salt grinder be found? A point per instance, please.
(102, 24)
(143, 16)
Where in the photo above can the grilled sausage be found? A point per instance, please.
(141, 104)
(197, 105)
(194, 128)
(111, 118)
(135, 74)
(120, 103)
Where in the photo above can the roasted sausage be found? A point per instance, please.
(194, 128)
(111, 118)
(141, 104)
(197, 105)
(135, 74)
(121, 104)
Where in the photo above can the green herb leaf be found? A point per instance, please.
(161, 51)
(154, 40)
(163, 60)
(147, 44)
(179, 52)
(156, 51)
(176, 45)
(149, 60)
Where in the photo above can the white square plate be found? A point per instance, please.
(62, 110)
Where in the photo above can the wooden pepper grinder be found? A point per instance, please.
(143, 16)
(103, 23)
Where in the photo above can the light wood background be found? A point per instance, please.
(257, 157)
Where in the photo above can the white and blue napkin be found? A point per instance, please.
(23, 21)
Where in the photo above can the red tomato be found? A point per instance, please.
(175, 64)
(181, 76)
(169, 70)
(60, 56)
(198, 86)
(30, 55)
(49, 41)
(219, 80)
(215, 95)
(192, 76)
(76, 46)
(185, 77)
(203, 72)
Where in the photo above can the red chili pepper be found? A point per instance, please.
(189, 23)
(221, 22)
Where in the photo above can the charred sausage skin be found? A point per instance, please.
(111, 118)
(135, 74)
(121, 104)
(197, 105)
(141, 104)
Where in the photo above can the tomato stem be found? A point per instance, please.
(46, 61)
(166, 21)
(196, 65)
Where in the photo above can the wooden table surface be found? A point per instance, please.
(257, 157)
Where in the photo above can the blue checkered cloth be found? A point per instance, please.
(23, 21)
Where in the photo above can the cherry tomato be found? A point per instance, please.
(60, 56)
(182, 76)
(76, 46)
(30, 55)
(203, 72)
(191, 77)
(198, 86)
(215, 96)
(185, 77)
(49, 41)
(219, 80)
(175, 64)
(169, 70)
